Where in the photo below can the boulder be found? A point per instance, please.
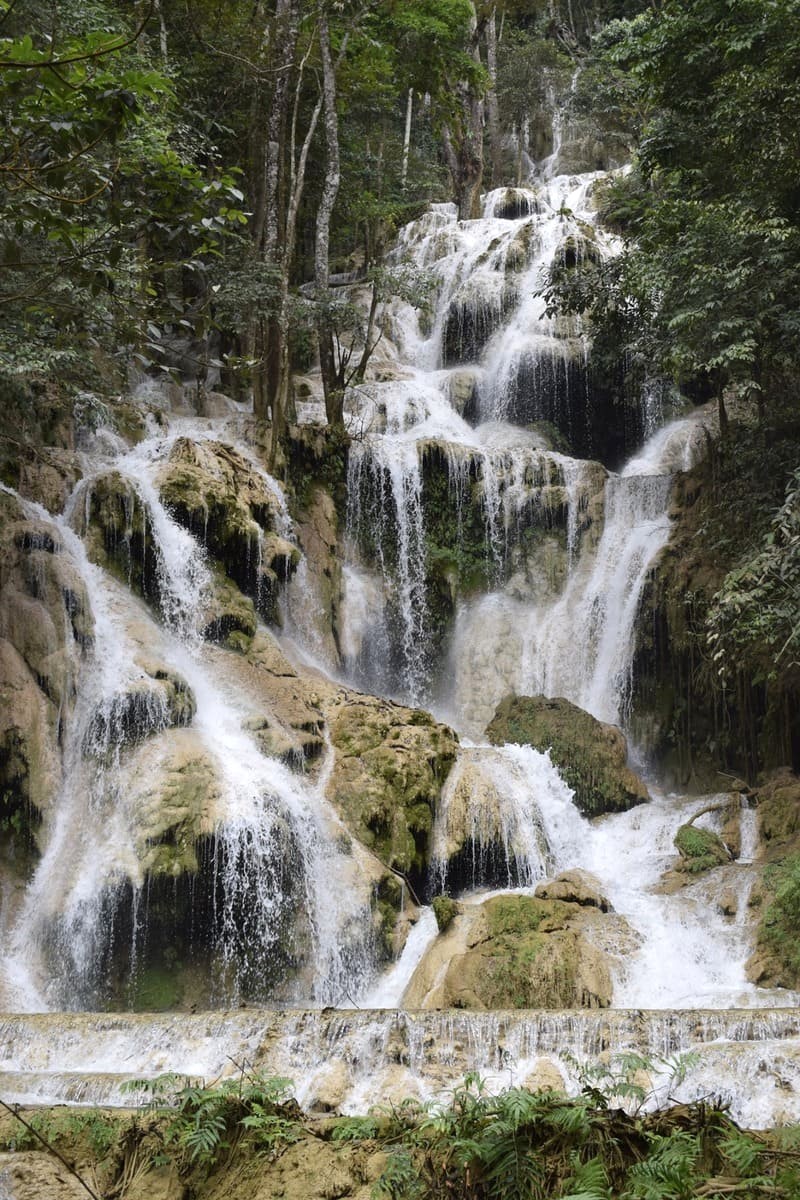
(229, 616)
(173, 791)
(517, 951)
(591, 756)
(389, 767)
(700, 849)
(575, 887)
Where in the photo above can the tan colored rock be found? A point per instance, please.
(49, 478)
(461, 385)
(545, 1077)
(35, 1175)
(315, 597)
(30, 765)
(172, 794)
(575, 887)
(331, 1085)
(779, 814)
(45, 625)
(728, 902)
(520, 952)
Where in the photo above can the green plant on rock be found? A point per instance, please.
(781, 921)
(700, 849)
(205, 1122)
(355, 1129)
(444, 909)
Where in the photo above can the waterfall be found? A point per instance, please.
(492, 544)
(352, 1058)
(278, 884)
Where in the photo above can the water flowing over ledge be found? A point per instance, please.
(355, 1058)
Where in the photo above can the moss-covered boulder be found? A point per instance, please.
(775, 961)
(229, 616)
(173, 793)
(591, 756)
(700, 849)
(116, 528)
(159, 699)
(518, 951)
(389, 767)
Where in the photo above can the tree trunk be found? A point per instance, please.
(332, 387)
(463, 139)
(270, 233)
(407, 139)
(492, 111)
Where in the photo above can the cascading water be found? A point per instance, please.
(560, 549)
(279, 885)
(481, 560)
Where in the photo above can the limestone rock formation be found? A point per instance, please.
(45, 626)
(591, 756)
(518, 951)
(226, 501)
(390, 764)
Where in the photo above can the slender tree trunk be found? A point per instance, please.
(407, 139)
(334, 397)
(273, 245)
(492, 112)
(463, 139)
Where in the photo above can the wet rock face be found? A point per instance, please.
(45, 627)
(223, 500)
(116, 527)
(390, 764)
(591, 756)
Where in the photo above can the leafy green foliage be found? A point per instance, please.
(204, 1122)
(354, 1129)
(757, 609)
(708, 291)
(781, 920)
(103, 219)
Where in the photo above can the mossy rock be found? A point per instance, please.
(230, 618)
(776, 959)
(591, 756)
(389, 768)
(445, 908)
(700, 849)
(530, 953)
(228, 504)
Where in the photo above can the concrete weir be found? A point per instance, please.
(348, 1060)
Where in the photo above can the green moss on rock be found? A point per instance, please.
(700, 849)
(530, 953)
(444, 909)
(591, 756)
(390, 765)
